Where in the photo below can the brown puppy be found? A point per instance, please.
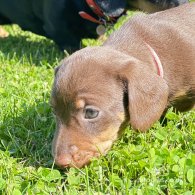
(140, 71)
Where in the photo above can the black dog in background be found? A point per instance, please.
(66, 22)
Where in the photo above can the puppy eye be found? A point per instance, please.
(91, 113)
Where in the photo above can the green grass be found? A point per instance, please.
(161, 161)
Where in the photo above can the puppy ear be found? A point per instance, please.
(58, 67)
(147, 95)
(56, 70)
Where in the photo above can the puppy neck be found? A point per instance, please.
(156, 60)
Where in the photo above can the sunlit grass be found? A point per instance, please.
(161, 161)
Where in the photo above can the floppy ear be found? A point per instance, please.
(147, 95)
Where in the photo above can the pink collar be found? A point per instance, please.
(157, 61)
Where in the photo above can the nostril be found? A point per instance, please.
(63, 160)
(77, 157)
(73, 149)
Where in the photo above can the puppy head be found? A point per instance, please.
(95, 93)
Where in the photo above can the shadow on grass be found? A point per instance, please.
(28, 135)
(27, 132)
(31, 49)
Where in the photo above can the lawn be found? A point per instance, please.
(161, 161)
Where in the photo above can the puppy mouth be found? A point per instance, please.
(80, 162)
(78, 158)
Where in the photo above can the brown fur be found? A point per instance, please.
(120, 80)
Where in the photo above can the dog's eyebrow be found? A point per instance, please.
(79, 103)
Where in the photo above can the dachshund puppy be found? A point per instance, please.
(144, 68)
